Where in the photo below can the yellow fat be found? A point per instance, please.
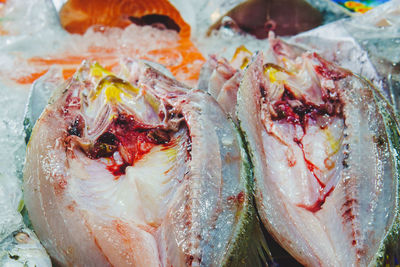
(98, 71)
(246, 59)
(113, 91)
(333, 143)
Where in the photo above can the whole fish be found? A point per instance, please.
(139, 171)
(259, 17)
(324, 146)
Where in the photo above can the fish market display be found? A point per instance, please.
(324, 145)
(139, 171)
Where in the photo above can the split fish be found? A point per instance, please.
(324, 145)
(137, 169)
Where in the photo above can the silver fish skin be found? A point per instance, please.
(22, 248)
(94, 202)
(19, 246)
(324, 146)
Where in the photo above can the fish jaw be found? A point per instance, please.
(333, 212)
(94, 173)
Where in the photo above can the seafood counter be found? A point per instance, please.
(199, 133)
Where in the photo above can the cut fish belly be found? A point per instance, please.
(139, 171)
(324, 145)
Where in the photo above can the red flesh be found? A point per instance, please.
(132, 139)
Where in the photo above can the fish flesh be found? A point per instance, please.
(324, 146)
(140, 171)
(78, 16)
(221, 80)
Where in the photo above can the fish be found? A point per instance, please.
(138, 169)
(19, 245)
(22, 248)
(259, 17)
(324, 145)
(221, 78)
(78, 16)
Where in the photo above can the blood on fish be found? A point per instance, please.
(296, 115)
(239, 198)
(311, 167)
(350, 202)
(348, 214)
(301, 116)
(76, 127)
(326, 70)
(117, 169)
(72, 206)
(318, 204)
(59, 186)
(131, 139)
(72, 102)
